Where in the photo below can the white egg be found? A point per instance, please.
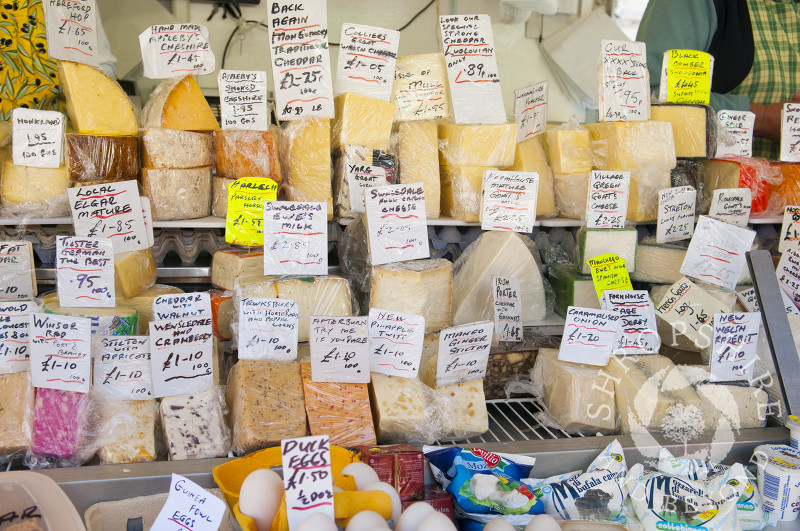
(362, 473)
(543, 522)
(317, 522)
(436, 521)
(397, 507)
(365, 520)
(412, 516)
(498, 524)
(260, 497)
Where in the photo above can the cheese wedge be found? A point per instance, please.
(306, 152)
(134, 272)
(530, 156)
(362, 121)
(229, 266)
(418, 161)
(462, 187)
(178, 103)
(400, 408)
(247, 154)
(38, 192)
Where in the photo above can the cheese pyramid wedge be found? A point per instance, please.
(96, 104)
(179, 104)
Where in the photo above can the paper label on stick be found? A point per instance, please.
(122, 367)
(420, 89)
(733, 356)
(244, 222)
(17, 271)
(638, 330)
(189, 507)
(507, 302)
(60, 352)
(509, 200)
(365, 168)
(686, 77)
(339, 349)
(395, 342)
(625, 89)
(243, 99)
(530, 110)
(307, 478)
(675, 214)
(716, 253)
(608, 199)
(609, 273)
(788, 273)
(790, 229)
(732, 205)
(397, 223)
(15, 322)
(175, 50)
(268, 329)
(38, 138)
(367, 57)
(790, 132)
(181, 352)
(180, 305)
(72, 31)
(469, 54)
(735, 138)
(463, 353)
(85, 272)
(295, 238)
(590, 336)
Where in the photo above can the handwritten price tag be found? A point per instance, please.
(609, 273)
(189, 506)
(735, 137)
(301, 70)
(365, 168)
(589, 336)
(339, 349)
(395, 342)
(420, 88)
(750, 302)
(675, 214)
(367, 57)
(295, 238)
(85, 272)
(625, 90)
(307, 478)
(122, 367)
(243, 99)
(60, 352)
(175, 50)
(790, 132)
(638, 329)
(17, 271)
(790, 229)
(463, 353)
(716, 253)
(686, 77)
(472, 69)
(608, 199)
(181, 353)
(397, 225)
(244, 223)
(38, 138)
(268, 329)
(733, 356)
(509, 200)
(530, 110)
(788, 273)
(15, 321)
(110, 211)
(507, 302)
(732, 205)
(72, 31)
(180, 305)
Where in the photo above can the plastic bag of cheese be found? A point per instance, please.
(16, 415)
(749, 509)
(664, 501)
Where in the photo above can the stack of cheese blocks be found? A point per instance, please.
(569, 153)
(178, 150)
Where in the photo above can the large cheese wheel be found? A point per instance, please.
(179, 104)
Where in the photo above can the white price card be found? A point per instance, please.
(179, 305)
(638, 330)
(509, 200)
(608, 199)
(17, 271)
(189, 507)
(790, 132)
(367, 57)
(113, 211)
(122, 367)
(590, 336)
(735, 135)
(181, 352)
(420, 89)
(61, 350)
(675, 214)
(469, 53)
(397, 223)
(790, 229)
(788, 304)
(732, 205)
(147, 215)
(175, 50)
(243, 99)
(463, 353)
(15, 322)
(301, 70)
(530, 110)
(733, 355)
(507, 303)
(749, 300)
(339, 349)
(295, 238)
(72, 31)
(625, 82)
(37, 137)
(395, 342)
(307, 478)
(268, 329)
(85, 272)
(364, 168)
(788, 273)
(716, 253)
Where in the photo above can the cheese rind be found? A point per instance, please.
(418, 160)
(174, 148)
(96, 104)
(632, 146)
(415, 287)
(247, 154)
(134, 272)
(572, 194)
(362, 121)
(594, 242)
(339, 410)
(306, 162)
(229, 266)
(219, 196)
(129, 431)
(93, 158)
(222, 313)
(16, 413)
(194, 425)
(178, 193)
(462, 188)
(569, 150)
(477, 145)
(59, 423)
(690, 127)
(571, 288)
(39, 192)
(178, 103)
(400, 408)
(685, 316)
(265, 400)
(530, 157)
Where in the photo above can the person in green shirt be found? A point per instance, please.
(756, 49)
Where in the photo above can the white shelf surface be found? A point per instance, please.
(432, 222)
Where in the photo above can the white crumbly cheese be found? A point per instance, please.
(695, 374)
(194, 426)
(131, 435)
(219, 196)
(732, 406)
(229, 266)
(178, 193)
(595, 242)
(685, 316)
(173, 148)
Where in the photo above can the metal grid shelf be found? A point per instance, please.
(512, 420)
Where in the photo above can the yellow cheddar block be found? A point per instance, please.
(477, 145)
(418, 161)
(643, 197)
(362, 121)
(134, 272)
(569, 150)
(39, 192)
(306, 152)
(461, 191)
(689, 128)
(572, 194)
(632, 146)
(179, 104)
(530, 156)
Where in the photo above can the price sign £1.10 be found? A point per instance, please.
(339, 349)
(60, 352)
(122, 367)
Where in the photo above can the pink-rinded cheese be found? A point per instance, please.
(58, 422)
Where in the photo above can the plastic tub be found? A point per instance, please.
(779, 481)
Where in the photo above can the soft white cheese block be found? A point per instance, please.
(658, 264)
(594, 242)
(724, 295)
(495, 253)
(194, 425)
(685, 316)
(645, 388)
(173, 148)
(695, 374)
(400, 407)
(129, 436)
(732, 406)
(416, 287)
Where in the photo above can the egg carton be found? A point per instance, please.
(188, 245)
(42, 238)
(441, 236)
